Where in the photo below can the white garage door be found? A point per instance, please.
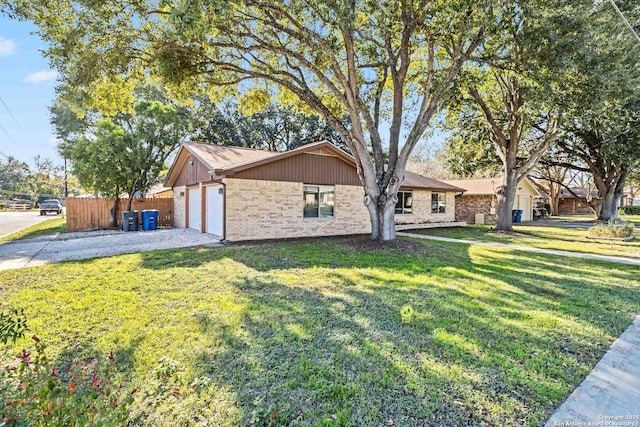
(215, 210)
(194, 208)
(524, 203)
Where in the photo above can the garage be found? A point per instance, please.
(195, 208)
(524, 204)
(215, 210)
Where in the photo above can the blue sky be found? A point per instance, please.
(27, 88)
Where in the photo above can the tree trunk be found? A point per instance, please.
(130, 201)
(113, 212)
(554, 202)
(607, 206)
(554, 197)
(609, 191)
(506, 196)
(382, 216)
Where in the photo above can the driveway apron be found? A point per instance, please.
(75, 246)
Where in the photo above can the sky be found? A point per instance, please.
(27, 88)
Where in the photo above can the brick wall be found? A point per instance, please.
(574, 206)
(258, 209)
(468, 206)
(422, 209)
(179, 207)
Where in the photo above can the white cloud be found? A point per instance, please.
(7, 46)
(41, 76)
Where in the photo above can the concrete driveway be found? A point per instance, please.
(83, 245)
(10, 222)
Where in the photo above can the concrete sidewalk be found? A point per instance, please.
(83, 245)
(619, 259)
(610, 395)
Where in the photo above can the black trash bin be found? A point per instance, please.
(514, 215)
(129, 220)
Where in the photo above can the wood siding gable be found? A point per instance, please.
(193, 171)
(321, 167)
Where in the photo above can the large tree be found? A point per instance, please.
(609, 148)
(603, 117)
(126, 152)
(274, 128)
(385, 64)
(14, 177)
(511, 94)
(47, 178)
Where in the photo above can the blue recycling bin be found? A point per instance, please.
(150, 219)
(518, 216)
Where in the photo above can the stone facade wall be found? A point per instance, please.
(422, 209)
(468, 206)
(574, 206)
(257, 209)
(179, 207)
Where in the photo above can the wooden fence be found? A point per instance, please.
(93, 213)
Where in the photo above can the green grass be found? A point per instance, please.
(632, 218)
(45, 228)
(309, 333)
(590, 218)
(565, 239)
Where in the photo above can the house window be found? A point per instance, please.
(438, 202)
(405, 202)
(318, 201)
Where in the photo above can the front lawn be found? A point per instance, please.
(308, 332)
(632, 218)
(559, 238)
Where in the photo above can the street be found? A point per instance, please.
(10, 222)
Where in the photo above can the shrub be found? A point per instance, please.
(629, 210)
(12, 326)
(36, 392)
(616, 228)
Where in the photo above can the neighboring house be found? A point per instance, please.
(630, 197)
(577, 200)
(243, 194)
(158, 191)
(479, 201)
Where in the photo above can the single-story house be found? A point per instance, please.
(478, 203)
(244, 194)
(630, 196)
(577, 200)
(158, 191)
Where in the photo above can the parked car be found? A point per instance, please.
(50, 206)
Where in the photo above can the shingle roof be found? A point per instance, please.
(225, 159)
(581, 192)
(487, 186)
(225, 156)
(477, 187)
(413, 180)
